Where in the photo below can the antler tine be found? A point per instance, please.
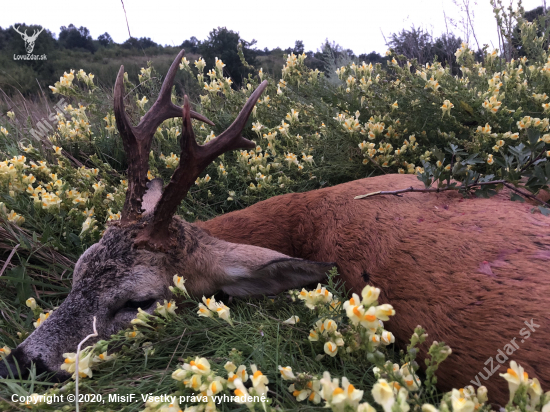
(137, 140)
(193, 160)
(138, 164)
(231, 138)
(164, 108)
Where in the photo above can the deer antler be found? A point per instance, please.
(137, 139)
(193, 160)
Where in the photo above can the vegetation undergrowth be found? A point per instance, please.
(235, 359)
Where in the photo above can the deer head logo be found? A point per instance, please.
(29, 40)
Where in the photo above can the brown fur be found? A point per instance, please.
(471, 271)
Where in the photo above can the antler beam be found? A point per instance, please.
(137, 139)
(193, 160)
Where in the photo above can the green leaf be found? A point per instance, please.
(533, 135)
(544, 210)
(473, 159)
(517, 198)
(486, 178)
(439, 155)
(21, 282)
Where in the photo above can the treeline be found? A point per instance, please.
(75, 48)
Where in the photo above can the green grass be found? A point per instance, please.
(258, 333)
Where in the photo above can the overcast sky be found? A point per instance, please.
(354, 24)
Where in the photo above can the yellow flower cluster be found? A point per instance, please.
(256, 163)
(145, 74)
(486, 130)
(197, 375)
(111, 215)
(76, 129)
(88, 79)
(400, 377)
(65, 83)
(141, 102)
(536, 123)
(86, 360)
(432, 84)
(316, 298)
(337, 397)
(12, 216)
(373, 129)
(492, 104)
(171, 161)
(209, 307)
(517, 378)
(446, 107)
(464, 49)
(327, 332)
(4, 351)
(293, 65)
(166, 309)
(184, 64)
(495, 83)
(203, 180)
(223, 85)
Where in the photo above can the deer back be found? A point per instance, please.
(472, 271)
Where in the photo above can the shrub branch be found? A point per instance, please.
(445, 188)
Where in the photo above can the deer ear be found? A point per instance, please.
(152, 195)
(255, 271)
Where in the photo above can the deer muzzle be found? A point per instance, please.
(44, 348)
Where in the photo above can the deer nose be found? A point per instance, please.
(16, 366)
(8, 368)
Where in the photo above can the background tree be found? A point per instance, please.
(222, 43)
(76, 38)
(414, 44)
(298, 47)
(191, 45)
(419, 44)
(372, 57)
(141, 43)
(444, 49)
(105, 39)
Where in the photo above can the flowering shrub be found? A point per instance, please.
(485, 129)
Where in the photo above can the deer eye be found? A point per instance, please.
(143, 304)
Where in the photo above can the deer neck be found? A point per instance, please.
(279, 224)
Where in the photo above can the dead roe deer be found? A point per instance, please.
(473, 272)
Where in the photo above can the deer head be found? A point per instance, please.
(29, 40)
(133, 265)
